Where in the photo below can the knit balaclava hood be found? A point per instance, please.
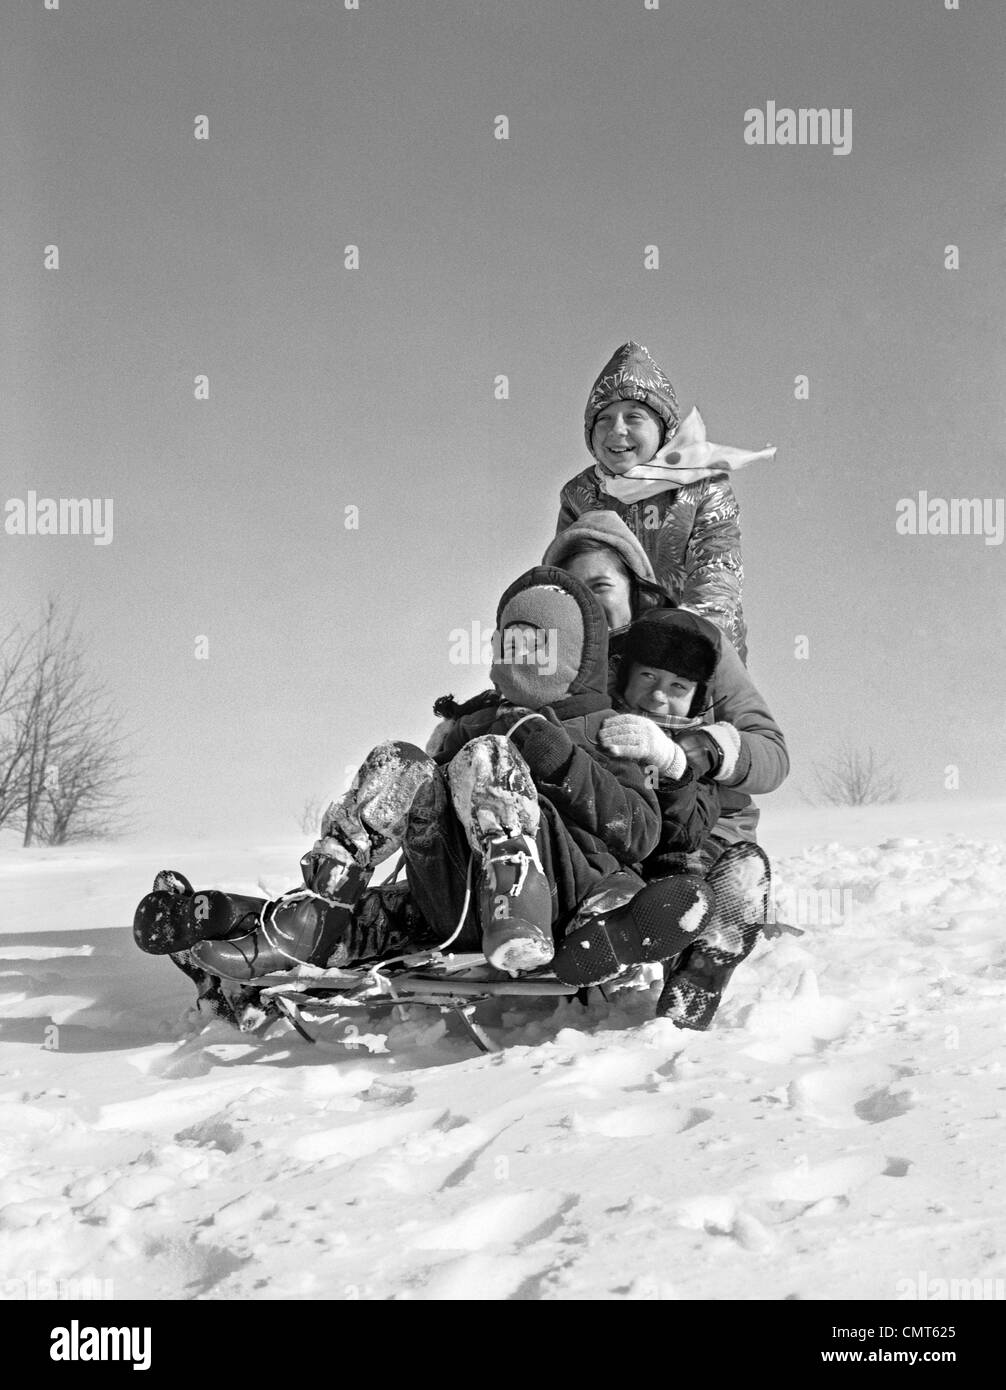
(632, 375)
(672, 639)
(570, 665)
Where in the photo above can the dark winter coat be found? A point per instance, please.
(688, 811)
(763, 761)
(604, 802)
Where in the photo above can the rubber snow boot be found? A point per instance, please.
(301, 927)
(160, 925)
(168, 921)
(243, 1008)
(209, 995)
(692, 994)
(250, 1010)
(372, 815)
(620, 925)
(515, 906)
(694, 985)
(172, 881)
(496, 801)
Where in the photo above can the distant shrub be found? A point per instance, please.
(855, 777)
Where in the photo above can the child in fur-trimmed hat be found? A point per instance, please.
(668, 483)
(669, 659)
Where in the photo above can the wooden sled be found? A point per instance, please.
(454, 984)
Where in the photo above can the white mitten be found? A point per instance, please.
(636, 737)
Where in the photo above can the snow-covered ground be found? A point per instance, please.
(838, 1134)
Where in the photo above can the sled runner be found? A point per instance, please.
(454, 984)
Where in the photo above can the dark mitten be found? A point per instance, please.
(541, 740)
(704, 754)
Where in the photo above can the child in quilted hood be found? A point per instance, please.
(669, 485)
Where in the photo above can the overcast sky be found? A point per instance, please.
(373, 388)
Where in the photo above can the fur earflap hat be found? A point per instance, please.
(672, 639)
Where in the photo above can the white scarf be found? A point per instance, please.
(698, 459)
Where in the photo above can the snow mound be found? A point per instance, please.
(837, 1134)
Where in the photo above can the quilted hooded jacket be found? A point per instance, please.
(691, 534)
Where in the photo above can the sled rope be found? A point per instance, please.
(523, 720)
(384, 982)
(464, 907)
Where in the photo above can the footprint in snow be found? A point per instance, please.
(195, 1265)
(806, 1184)
(847, 1096)
(480, 1276)
(599, 1070)
(886, 1103)
(511, 1219)
(786, 1028)
(638, 1121)
(724, 1216)
(214, 1132)
(354, 1140)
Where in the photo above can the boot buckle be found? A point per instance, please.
(523, 859)
(523, 862)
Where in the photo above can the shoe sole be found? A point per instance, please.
(661, 921)
(162, 924)
(171, 881)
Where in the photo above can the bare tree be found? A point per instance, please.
(15, 731)
(310, 815)
(62, 753)
(855, 778)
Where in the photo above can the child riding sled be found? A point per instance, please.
(669, 664)
(522, 832)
